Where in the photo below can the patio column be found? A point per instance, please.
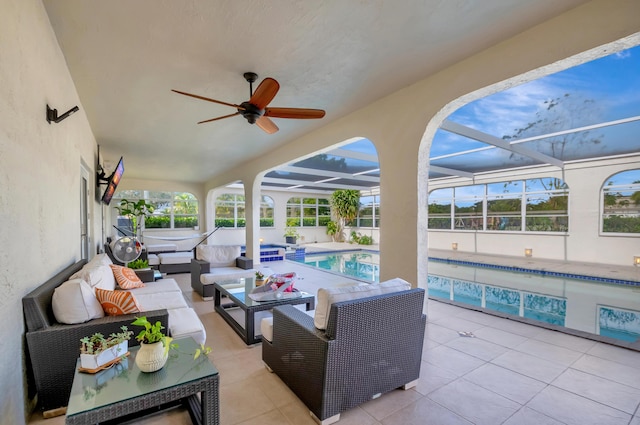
(252, 194)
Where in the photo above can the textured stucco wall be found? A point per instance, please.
(39, 179)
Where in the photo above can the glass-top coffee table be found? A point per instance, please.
(123, 392)
(239, 310)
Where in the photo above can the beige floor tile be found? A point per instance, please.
(621, 397)
(474, 404)
(389, 403)
(477, 347)
(551, 352)
(531, 366)
(573, 409)
(527, 416)
(505, 382)
(453, 361)
(424, 412)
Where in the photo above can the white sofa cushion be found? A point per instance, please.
(184, 322)
(225, 273)
(175, 257)
(100, 259)
(327, 296)
(218, 255)
(75, 302)
(162, 247)
(153, 259)
(97, 275)
(159, 286)
(159, 300)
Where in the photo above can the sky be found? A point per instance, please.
(601, 90)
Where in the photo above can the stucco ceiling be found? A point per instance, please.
(126, 56)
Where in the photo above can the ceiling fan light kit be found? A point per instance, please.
(255, 110)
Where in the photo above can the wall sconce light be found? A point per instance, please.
(636, 261)
(528, 252)
(52, 114)
(454, 246)
(261, 240)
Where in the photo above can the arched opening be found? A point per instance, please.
(515, 176)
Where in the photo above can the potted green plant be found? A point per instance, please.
(98, 351)
(344, 206)
(135, 211)
(155, 345)
(332, 230)
(138, 264)
(291, 235)
(259, 278)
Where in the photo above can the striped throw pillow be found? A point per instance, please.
(126, 277)
(116, 303)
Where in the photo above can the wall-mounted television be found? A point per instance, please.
(112, 182)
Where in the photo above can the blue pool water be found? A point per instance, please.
(577, 302)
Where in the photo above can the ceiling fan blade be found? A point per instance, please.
(265, 93)
(208, 99)
(267, 125)
(219, 118)
(299, 113)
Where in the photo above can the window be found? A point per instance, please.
(534, 205)
(172, 210)
(369, 212)
(440, 201)
(621, 203)
(308, 212)
(266, 211)
(469, 208)
(230, 211)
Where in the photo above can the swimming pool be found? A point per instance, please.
(581, 304)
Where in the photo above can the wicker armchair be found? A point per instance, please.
(371, 346)
(54, 348)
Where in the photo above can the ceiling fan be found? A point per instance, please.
(255, 110)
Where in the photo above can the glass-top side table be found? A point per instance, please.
(123, 390)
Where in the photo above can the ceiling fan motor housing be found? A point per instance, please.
(250, 112)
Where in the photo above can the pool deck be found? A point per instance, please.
(610, 271)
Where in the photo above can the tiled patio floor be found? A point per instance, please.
(509, 373)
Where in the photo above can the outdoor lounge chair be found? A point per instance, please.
(370, 346)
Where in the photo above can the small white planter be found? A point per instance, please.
(95, 361)
(151, 357)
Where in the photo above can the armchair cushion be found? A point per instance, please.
(218, 255)
(327, 296)
(74, 302)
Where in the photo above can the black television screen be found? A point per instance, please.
(113, 181)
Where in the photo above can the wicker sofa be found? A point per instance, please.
(370, 346)
(53, 347)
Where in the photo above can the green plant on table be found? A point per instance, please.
(138, 264)
(259, 275)
(98, 343)
(152, 333)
